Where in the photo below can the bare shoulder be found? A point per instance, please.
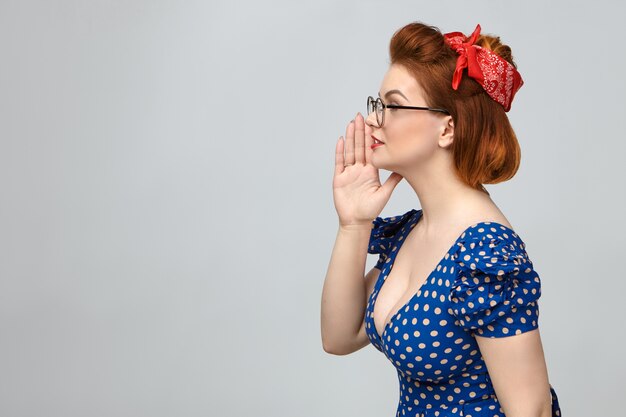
(489, 212)
(497, 218)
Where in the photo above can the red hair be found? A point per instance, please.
(485, 149)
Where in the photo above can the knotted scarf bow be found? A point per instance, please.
(495, 74)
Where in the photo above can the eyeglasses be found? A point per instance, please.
(378, 106)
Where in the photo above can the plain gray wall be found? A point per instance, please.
(166, 218)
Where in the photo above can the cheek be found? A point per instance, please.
(413, 139)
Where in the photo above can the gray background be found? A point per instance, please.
(166, 218)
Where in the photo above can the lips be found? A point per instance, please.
(376, 140)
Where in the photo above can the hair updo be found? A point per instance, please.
(485, 148)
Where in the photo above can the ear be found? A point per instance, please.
(447, 132)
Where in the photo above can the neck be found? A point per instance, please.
(445, 199)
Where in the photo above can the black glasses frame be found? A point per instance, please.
(373, 104)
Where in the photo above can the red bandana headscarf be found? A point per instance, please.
(495, 74)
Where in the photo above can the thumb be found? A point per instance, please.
(391, 183)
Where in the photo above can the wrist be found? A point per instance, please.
(356, 227)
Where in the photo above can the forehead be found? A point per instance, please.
(397, 77)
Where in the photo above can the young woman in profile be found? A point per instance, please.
(453, 299)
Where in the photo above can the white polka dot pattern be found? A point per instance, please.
(484, 285)
(496, 289)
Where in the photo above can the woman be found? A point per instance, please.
(453, 299)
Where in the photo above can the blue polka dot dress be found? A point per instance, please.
(484, 285)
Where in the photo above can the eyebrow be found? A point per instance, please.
(390, 92)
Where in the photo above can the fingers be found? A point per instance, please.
(353, 148)
(359, 138)
(368, 143)
(391, 183)
(339, 164)
(349, 144)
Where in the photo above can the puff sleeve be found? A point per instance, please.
(496, 289)
(383, 235)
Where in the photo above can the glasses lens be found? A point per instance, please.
(375, 106)
(369, 105)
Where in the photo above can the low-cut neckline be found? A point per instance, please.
(399, 241)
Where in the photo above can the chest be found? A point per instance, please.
(408, 276)
(421, 337)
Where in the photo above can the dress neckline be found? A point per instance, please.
(399, 241)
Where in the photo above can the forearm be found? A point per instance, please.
(534, 407)
(546, 412)
(343, 295)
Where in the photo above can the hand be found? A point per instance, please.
(357, 192)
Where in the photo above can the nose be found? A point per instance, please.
(371, 120)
